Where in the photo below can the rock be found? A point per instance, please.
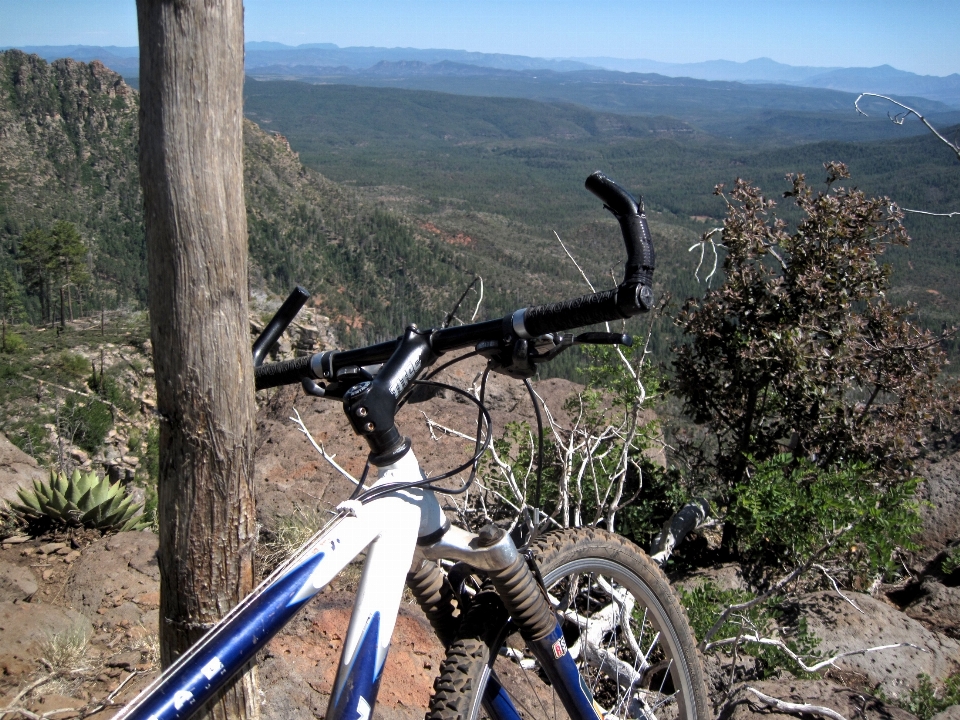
(940, 492)
(46, 705)
(16, 582)
(937, 607)
(26, 627)
(845, 701)
(724, 577)
(112, 571)
(150, 600)
(125, 660)
(951, 713)
(841, 628)
(17, 470)
(52, 547)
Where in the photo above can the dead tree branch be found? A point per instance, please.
(900, 117)
(782, 646)
(706, 238)
(320, 449)
(796, 708)
(775, 589)
(690, 517)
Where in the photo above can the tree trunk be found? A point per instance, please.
(191, 169)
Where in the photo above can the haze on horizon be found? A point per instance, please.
(917, 37)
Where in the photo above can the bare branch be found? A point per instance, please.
(900, 117)
(11, 706)
(479, 300)
(793, 575)
(319, 448)
(707, 237)
(683, 522)
(925, 212)
(575, 263)
(777, 643)
(836, 587)
(796, 708)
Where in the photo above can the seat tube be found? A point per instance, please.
(398, 518)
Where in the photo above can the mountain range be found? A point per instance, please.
(883, 79)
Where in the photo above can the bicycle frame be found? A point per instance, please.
(389, 528)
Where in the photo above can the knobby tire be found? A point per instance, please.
(590, 571)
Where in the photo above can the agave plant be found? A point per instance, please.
(80, 501)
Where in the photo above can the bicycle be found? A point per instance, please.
(579, 622)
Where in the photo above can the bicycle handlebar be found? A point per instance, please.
(631, 297)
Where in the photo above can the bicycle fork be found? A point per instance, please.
(526, 602)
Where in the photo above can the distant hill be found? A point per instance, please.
(316, 59)
(422, 189)
(124, 61)
(884, 79)
(68, 151)
(762, 70)
(769, 114)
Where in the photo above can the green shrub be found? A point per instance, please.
(801, 347)
(13, 343)
(787, 507)
(73, 366)
(951, 563)
(31, 436)
(706, 602)
(925, 702)
(85, 423)
(110, 389)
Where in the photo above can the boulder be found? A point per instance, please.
(16, 582)
(26, 627)
(728, 576)
(824, 693)
(940, 492)
(951, 713)
(842, 628)
(937, 607)
(116, 580)
(17, 470)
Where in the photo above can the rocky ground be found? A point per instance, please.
(79, 612)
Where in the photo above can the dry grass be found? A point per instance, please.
(66, 652)
(292, 531)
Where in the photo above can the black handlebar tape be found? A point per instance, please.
(570, 314)
(288, 372)
(614, 197)
(633, 225)
(274, 329)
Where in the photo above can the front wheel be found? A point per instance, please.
(622, 624)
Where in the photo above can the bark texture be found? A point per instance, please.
(191, 169)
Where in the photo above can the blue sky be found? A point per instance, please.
(914, 35)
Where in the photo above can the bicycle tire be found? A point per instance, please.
(671, 686)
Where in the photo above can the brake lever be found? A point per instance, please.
(522, 357)
(603, 338)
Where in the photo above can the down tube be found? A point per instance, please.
(206, 667)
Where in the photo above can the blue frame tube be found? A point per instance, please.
(230, 647)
